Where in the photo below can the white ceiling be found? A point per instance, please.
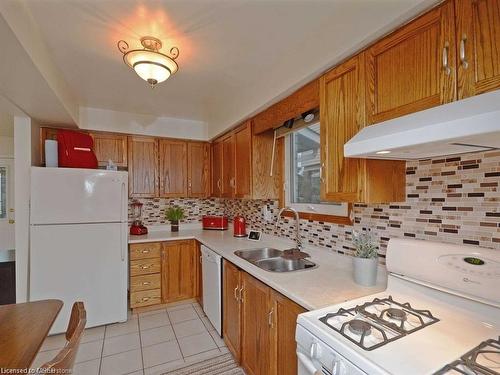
(235, 55)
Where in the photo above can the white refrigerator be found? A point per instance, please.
(78, 242)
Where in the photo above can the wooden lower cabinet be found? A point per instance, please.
(144, 271)
(258, 324)
(231, 327)
(283, 350)
(178, 270)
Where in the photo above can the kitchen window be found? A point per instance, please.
(303, 171)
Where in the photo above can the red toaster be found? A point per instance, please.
(214, 222)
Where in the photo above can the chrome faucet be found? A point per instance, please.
(296, 252)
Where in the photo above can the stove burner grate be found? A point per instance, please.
(468, 363)
(379, 323)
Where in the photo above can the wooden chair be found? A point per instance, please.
(65, 359)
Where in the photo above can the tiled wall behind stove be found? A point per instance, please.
(153, 209)
(453, 199)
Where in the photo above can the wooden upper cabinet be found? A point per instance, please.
(283, 351)
(413, 68)
(198, 174)
(228, 164)
(110, 147)
(173, 168)
(243, 161)
(478, 46)
(178, 270)
(342, 116)
(232, 309)
(257, 320)
(142, 167)
(216, 168)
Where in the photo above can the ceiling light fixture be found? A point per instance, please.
(383, 152)
(149, 63)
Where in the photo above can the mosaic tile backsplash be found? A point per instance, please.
(454, 199)
(153, 209)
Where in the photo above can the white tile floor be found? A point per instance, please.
(147, 344)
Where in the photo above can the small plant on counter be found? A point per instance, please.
(365, 244)
(365, 261)
(174, 215)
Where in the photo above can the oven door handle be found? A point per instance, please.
(307, 363)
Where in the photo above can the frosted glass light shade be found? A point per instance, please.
(153, 67)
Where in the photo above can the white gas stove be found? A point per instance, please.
(440, 314)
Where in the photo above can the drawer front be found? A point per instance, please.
(145, 250)
(147, 282)
(144, 266)
(145, 298)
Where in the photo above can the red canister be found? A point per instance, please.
(239, 226)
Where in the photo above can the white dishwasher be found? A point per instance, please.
(212, 286)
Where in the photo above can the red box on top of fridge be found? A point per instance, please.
(75, 150)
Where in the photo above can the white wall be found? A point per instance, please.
(22, 166)
(6, 147)
(133, 123)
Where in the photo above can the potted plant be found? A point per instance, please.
(365, 258)
(174, 214)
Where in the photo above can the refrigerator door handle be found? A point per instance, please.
(122, 247)
(123, 203)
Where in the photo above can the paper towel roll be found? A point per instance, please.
(51, 153)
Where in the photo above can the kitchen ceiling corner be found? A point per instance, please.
(227, 72)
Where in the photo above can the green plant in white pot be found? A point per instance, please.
(365, 258)
(174, 215)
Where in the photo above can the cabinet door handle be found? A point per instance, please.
(145, 251)
(146, 283)
(235, 293)
(321, 168)
(218, 184)
(446, 65)
(270, 318)
(241, 294)
(144, 299)
(463, 58)
(145, 267)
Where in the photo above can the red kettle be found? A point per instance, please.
(239, 226)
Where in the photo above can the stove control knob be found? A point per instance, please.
(315, 351)
(339, 367)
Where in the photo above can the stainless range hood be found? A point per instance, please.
(467, 125)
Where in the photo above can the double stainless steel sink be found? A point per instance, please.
(270, 259)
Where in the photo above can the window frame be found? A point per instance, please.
(340, 213)
(7, 164)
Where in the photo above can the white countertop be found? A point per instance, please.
(329, 283)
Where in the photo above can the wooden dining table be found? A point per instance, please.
(23, 329)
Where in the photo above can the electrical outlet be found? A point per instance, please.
(266, 214)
